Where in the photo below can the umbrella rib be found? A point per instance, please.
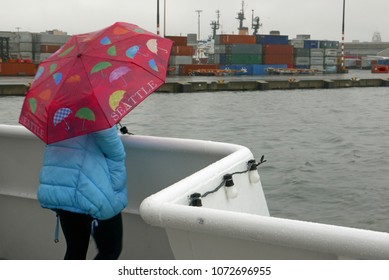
(129, 62)
(92, 88)
(38, 82)
(135, 36)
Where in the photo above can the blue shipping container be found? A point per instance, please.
(302, 66)
(383, 61)
(311, 44)
(272, 39)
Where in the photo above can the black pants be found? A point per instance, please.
(77, 228)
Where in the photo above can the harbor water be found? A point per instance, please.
(327, 151)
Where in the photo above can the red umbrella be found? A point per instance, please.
(94, 80)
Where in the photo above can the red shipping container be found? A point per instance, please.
(178, 40)
(237, 39)
(182, 50)
(17, 69)
(278, 49)
(278, 59)
(49, 48)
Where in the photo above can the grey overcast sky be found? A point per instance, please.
(322, 19)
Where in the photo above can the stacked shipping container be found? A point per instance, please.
(181, 54)
(237, 52)
(276, 49)
(181, 57)
(50, 43)
(315, 54)
(252, 53)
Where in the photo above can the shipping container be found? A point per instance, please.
(24, 37)
(278, 50)
(302, 52)
(51, 39)
(238, 49)
(328, 44)
(316, 60)
(330, 60)
(225, 39)
(192, 40)
(317, 52)
(303, 36)
(25, 47)
(302, 66)
(178, 40)
(49, 48)
(180, 60)
(17, 69)
(301, 60)
(353, 63)
(297, 43)
(311, 44)
(383, 61)
(182, 51)
(330, 69)
(218, 49)
(331, 52)
(272, 39)
(238, 59)
(279, 59)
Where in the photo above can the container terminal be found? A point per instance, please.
(248, 53)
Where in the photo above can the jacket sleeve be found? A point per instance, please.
(109, 142)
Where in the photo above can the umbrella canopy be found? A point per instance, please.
(93, 81)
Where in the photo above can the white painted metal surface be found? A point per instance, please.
(153, 163)
(159, 223)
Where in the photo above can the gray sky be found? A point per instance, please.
(322, 19)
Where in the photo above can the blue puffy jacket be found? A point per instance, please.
(85, 174)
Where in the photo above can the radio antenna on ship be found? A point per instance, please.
(242, 30)
(215, 24)
(255, 24)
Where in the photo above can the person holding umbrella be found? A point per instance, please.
(77, 97)
(84, 180)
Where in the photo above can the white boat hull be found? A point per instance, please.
(158, 222)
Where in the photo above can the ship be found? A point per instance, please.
(188, 200)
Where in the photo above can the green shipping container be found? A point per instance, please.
(243, 59)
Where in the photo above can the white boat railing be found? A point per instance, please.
(159, 222)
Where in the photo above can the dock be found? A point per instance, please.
(260, 85)
(17, 86)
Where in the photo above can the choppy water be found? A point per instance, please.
(327, 151)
